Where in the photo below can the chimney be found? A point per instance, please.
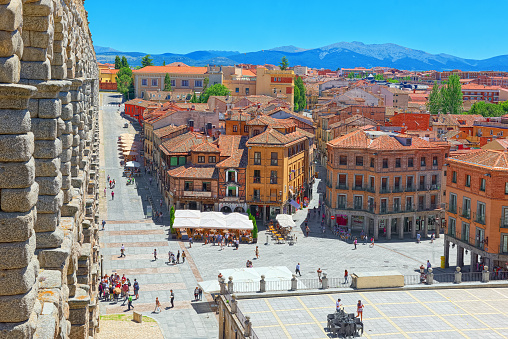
(378, 128)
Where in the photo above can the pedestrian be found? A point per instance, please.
(338, 305)
(112, 195)
(307, 230)
(114, 183)
(364, 239)
(428, 266)
(372, 242)
(196, 294)
(359, 309)
(257, 252)
(355, 242)
(346, 277)
(122, 251)
(183, 256)
(319, 273)
(110, 183)
(155, 254)
(160, 202)
(200, 294)
(136, 289)
(432, 237)
(157, 305)
(169, 257)
(172, 298)
(418, 236)
(130, 303)
(109, 178)
(297, 271)
(103, 224)
(190, 242)
(150, 180)
(178, 257)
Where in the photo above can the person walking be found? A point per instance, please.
(297, 270)
(109, 178)
(355, 242)
(129, 304)
(157, 305)
(183, 256)
(190, 242)
(169, 257)
(103, 224)
(432, 237)
(200, 294)
(136, 289)
(112, 195)
(257, 252)
(307, 230)
(172, 298)
(196, 294)
(319, 273)
(178, 257)
(346, 277)
(418, 237)
(150, 180)
(105, 191)
(160, 203)
(372, 242)
(428, 266)
(155, 254)
(338, 305)
(359, 310)
(122, 251)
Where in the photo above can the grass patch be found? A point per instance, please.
(125, 317)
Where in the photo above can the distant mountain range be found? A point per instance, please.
(342, 54)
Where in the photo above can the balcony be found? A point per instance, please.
(503, 249)
(231, 199)
(274, 162)
(273, 181)
(358, 207)
(341, 186)
(435, 187)
(452, 209)
(479, 218)
(256, 198)
(257, 161)
(410, 188)
(465, 213)
(397, 189)
(383, 210)
(257, 180)
(384, 190)
(358, 188)
(503, 222)
(341, 206)
(421, 188)
(197, 194)
(371, 189)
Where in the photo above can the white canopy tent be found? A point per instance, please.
(212, 220)
(133, 164)
(285, 220)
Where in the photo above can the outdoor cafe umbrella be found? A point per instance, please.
(130, 153)
(133, 164)
(285, 220)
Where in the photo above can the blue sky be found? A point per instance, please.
(469, 29)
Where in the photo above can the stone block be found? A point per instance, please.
(41, 39)
(79, 331)
(55, 258)
(14, 121)
(59, 60)
(46, 149)
(47, 167)
(47, 222)
(19, 330)
(79, 316)
(53, 296)
(14, 96)
(66, 182)
(49, 185)
(19, 281)
(67, 111)
(44, 129)
(16, 227)
(11, 16)
(66, 140)
(36, 23)
(35, 70)
(50, 108)
(50, 239)
(38, 8)
(65, 98)
(19, 199)
(17, 174)
(11, 43)
(50, 279)
(83, 279)
(49, 203)
(66, 155)
(65, 168)
(16, 148)
(10, 69)
(17, 254)
(34, 54)
(58, 72)
(47, 326)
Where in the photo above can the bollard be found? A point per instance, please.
(222, 284)
(233, 304)
(248, 327)
(429, 277)
(294, 283)
(458, 275)
(485, 274)
(262, 284)
(230, 285)
(324, 281)
(267, 239)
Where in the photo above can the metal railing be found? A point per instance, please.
(444, 278)
(471, 276)
(240, 316)
(246, 286)
(384, 190)
(371, 189)
(338, 282)
(341, 186)
(503, 222)
(452, 209)
(257, 180)
(479, 218)
(465, 213)
(358, 188)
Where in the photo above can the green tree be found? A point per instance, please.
(118, 62)
(300, 98)
(486, 109)
(284, 63)
(172, 218)
(351, 75)
(163, 62)
(124, 82)
(434, 102)
(379, 77)
(167, 83)
(124, 62)
(147, 61)
(194, 99)
(504, 106)
(206, 81)
(296, 106)
(451, 94)
(215, 90)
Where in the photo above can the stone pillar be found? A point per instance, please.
(473, 262)
(324, 281)
(413, 227)
(389, 229)
(401, 228)
(460, 256)
(18, 195)
(294, 283)
(262, 284)
(485, 274)
(458, 275)
(365, 226)
(233, 304)
(247, 327)
(67, 140)
(425, 227)
(222, 284)
(376, 228)
(447, 253)
(230, 285)
(429, 277)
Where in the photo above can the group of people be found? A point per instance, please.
(115, 288)
(225, 240)
(172, 258)
(359, 308)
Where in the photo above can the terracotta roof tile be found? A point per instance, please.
(484, 158)
(164, 131)
(171, 69)
(272, 137)
(205, 147)
(195, 172)
(182, 143)
(384, 142)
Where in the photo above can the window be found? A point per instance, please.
(371, 162)
(396, 184)
(422, 162)
(273, 159)
(247, 91)
(191, 123)
(385, 163)
(256, 196)
(358, 202)
(397, 162)
(409, 203)
(422, 183)
(235, 128)
(480, 213)
(207, 187)
(434, 161)
(237, 90)
(256, 132)
(188, 186)
(483, 183)
(173, 83)
(246, 129)
(468, 180)
(211, 159)
(506, 188)
(451, 226)
(453, 203)
(396, 204)
(201, 159)
(383, 208)
(343, 160)
(466, 207)
(359, 161)
(409, 183)
(257, 158)
(273, 177)
(342, 181)
(410, 162)
(198, 83)
(185, 83)
(341, 201)
(257, 176)
(454, 177)
(144, 82)
(465, 231)
(154, 82)
(174, 161)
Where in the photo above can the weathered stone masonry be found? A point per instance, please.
(49, 86)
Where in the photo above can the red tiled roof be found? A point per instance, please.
(182, 143)
(205, 147)
(163, 131)
(236, 160)
(193, 172)
(484, 158)
(384, 142)
(141, 103)
(264, 120)
(272, 137)
(172, 69)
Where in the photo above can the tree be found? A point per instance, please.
(163, 62)
(124, 62)
(215, 90)
(206, 81)
(172, 218)
(284, 63)
(296, 106)
(167, 83)
(351, 75)
(118, 62)
(434, 102)
(300, 98)
(147, 61)
(194, 99)
(487, 109)
(451, 95)
(379, 77)
(124, 82)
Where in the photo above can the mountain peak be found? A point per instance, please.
(288, 49)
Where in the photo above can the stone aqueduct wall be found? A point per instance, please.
(48, 171)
